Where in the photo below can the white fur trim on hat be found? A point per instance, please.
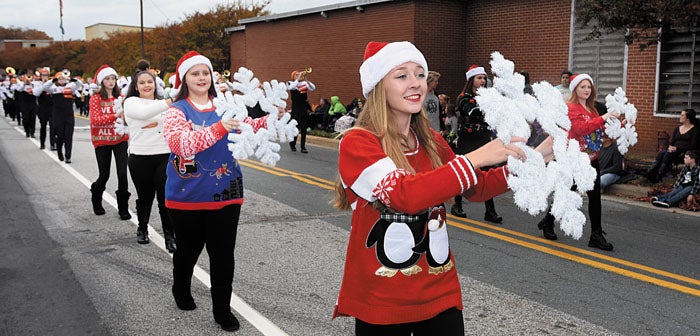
(475, 71)
(190, 62)
(104, 73)
(576, 79)
(374, 68)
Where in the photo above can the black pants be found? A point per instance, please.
(29, 112)
(64, 133)
(301, 126)
(148, 174)
(104, 163)
(44, 120)
(447, 323)
(215, 229)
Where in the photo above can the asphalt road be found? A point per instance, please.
(65, 271)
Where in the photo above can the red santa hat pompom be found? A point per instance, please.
(382, 57)
(102, 73)
(475, 70)
(576, 80)
(186, 62)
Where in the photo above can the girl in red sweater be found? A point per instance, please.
(107, 142)
(395, 173)
(587, 127)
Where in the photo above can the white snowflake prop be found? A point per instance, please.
(510, 112)
(624, 136)
(120, 126)
(244, 142)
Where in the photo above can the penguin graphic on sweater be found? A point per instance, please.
(395, 236)
(435, 243)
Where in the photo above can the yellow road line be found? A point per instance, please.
(325, 184)
(582, 260)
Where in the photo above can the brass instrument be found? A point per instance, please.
(11, 71)
(66, 72)
(157, 72)
(227, 74)
(304, 73)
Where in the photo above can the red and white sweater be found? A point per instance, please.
(368, 174)
(102, 118)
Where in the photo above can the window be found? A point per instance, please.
(679, 71)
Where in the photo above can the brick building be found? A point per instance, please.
(540, 36)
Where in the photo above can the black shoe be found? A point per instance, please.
(60, 156)
(42, 147)
(227, 321)
(303, 150)
(598, 241)
(294, 149)
(142, 237)
(493, 217)
(184, 300)
(124, 215)
(53, 147)
(547, 227)
(456, 210)
(68, 160)
(32, 136)
(170, 244)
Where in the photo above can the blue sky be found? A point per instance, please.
(77, 14)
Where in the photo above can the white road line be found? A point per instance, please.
(260, 322)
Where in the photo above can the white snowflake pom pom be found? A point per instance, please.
(244, 142)
(565, 208)
(120, 127)
(500, 66)
(526, 179)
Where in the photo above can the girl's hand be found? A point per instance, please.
(611, 115)
(671, 149)
(231, 124)
(496, 152)
(280, 112)
(546, 148)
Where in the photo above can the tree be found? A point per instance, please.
(640, 19)
(13, 33)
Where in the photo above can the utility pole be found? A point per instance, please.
(143, 50)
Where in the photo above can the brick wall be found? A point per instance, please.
(333, 46)
(440, 30)
(238, 50)
(641, 78)
(534, 34)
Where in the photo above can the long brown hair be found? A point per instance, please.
(590, 102)
(377, 119)
(185, 91)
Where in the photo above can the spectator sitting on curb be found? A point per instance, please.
(336, 111)
(687, 186)
(611, 163)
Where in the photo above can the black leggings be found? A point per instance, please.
(104, 163)
(447, 323)
(215, 229)
(148, 174)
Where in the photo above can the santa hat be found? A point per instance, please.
(186, 62)
(382, 57)
(475, 70)
(102, 73)
(576, 79)
(171, 80)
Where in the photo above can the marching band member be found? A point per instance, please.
(45, 111)
(298, 89)
(62, 92)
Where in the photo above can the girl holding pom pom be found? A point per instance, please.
(395, 174)
(204, 186)
(587, 127)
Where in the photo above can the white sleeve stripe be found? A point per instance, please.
(472, 175)
(459, 177)
(504, 174)
(370, 177)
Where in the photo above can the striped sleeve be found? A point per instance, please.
(183, 140)
(372, 175)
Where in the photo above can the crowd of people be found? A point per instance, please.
(406, 153)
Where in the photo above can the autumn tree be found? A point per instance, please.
(13, 33)
(640, 19)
